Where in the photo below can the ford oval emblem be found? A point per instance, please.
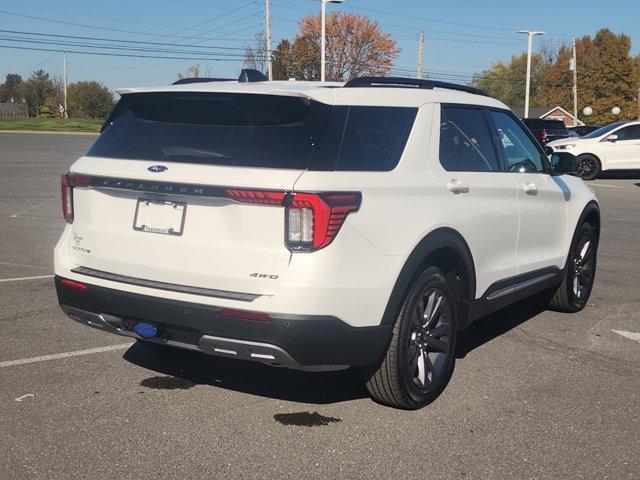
(157, 168)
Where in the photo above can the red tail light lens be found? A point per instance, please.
(543, 135)
(67, 182)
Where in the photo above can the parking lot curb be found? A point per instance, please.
(47, 132)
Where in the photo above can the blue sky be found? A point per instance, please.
(461, 37)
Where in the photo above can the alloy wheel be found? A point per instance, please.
(583, 267)
(429, 348)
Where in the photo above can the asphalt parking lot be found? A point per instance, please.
(535, 394)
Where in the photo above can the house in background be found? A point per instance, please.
(548, 113)
(13, 109)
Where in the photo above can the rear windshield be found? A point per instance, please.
(253, 131)
(554, 125)
(214, 128)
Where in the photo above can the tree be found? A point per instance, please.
(355, 46)
(13, 88)
(38, 89)
(281, 61)
(506, 81)
(89, 100)
(255, 55)
(607, 77)
(192, 72)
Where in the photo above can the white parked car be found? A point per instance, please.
(613, 147)
(307, 224)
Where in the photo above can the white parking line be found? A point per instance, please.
(32, 207)
(630, 335)
(57, 356)
(20, 279)
(605, 185)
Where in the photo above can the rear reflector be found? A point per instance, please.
(71, 284)
(255, 316)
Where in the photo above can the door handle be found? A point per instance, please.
(530, 188)
(456, 187)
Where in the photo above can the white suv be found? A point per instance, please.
(613, 147)
(307, 224)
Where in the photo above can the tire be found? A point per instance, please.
(573, 293)
(420, 359)
(589, 167)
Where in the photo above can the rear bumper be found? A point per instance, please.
(295, 341)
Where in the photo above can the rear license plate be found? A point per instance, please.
(160, 216)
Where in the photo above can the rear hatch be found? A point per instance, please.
(176, 189)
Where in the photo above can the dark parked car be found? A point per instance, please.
(548, 130)
(583, 130)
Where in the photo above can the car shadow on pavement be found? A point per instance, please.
(182, 368)
(249, 377)
(620, 174)
(492, 326)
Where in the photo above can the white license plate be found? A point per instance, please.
(160, 216)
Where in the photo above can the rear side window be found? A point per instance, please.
(471, 139)
(214, 128)
(447, 152)
(629, 133)
(374, 137)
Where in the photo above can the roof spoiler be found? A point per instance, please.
(246, 75)
(391, 82)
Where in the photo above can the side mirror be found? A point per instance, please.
(564, 163)
(548, 151)
(612, 138)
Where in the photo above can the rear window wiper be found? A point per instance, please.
(188, 152)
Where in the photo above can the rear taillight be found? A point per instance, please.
(543, 135)
(67, 182)
(312, 220)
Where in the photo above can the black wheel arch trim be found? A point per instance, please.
(590, 208)
(438, 239)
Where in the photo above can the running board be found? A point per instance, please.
(520, 286)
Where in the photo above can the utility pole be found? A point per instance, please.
(420, 53)
(64, 81)
(268, 15)
(639, 104)
(574, 67)
(528, 86)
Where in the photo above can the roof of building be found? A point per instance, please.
(12, 106)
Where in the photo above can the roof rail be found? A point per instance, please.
(409, 83)
(182, 81)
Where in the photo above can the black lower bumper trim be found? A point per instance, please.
(307, 339)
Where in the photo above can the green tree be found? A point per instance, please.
(89, 100)
(38, 88)
(13, 88)
(506, 80)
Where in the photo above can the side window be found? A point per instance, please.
(447, 152)
(629, 133)
(471, 139)
(374, 138)
(519, 150)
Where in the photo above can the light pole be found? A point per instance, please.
(323, 35)
(526, 96)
